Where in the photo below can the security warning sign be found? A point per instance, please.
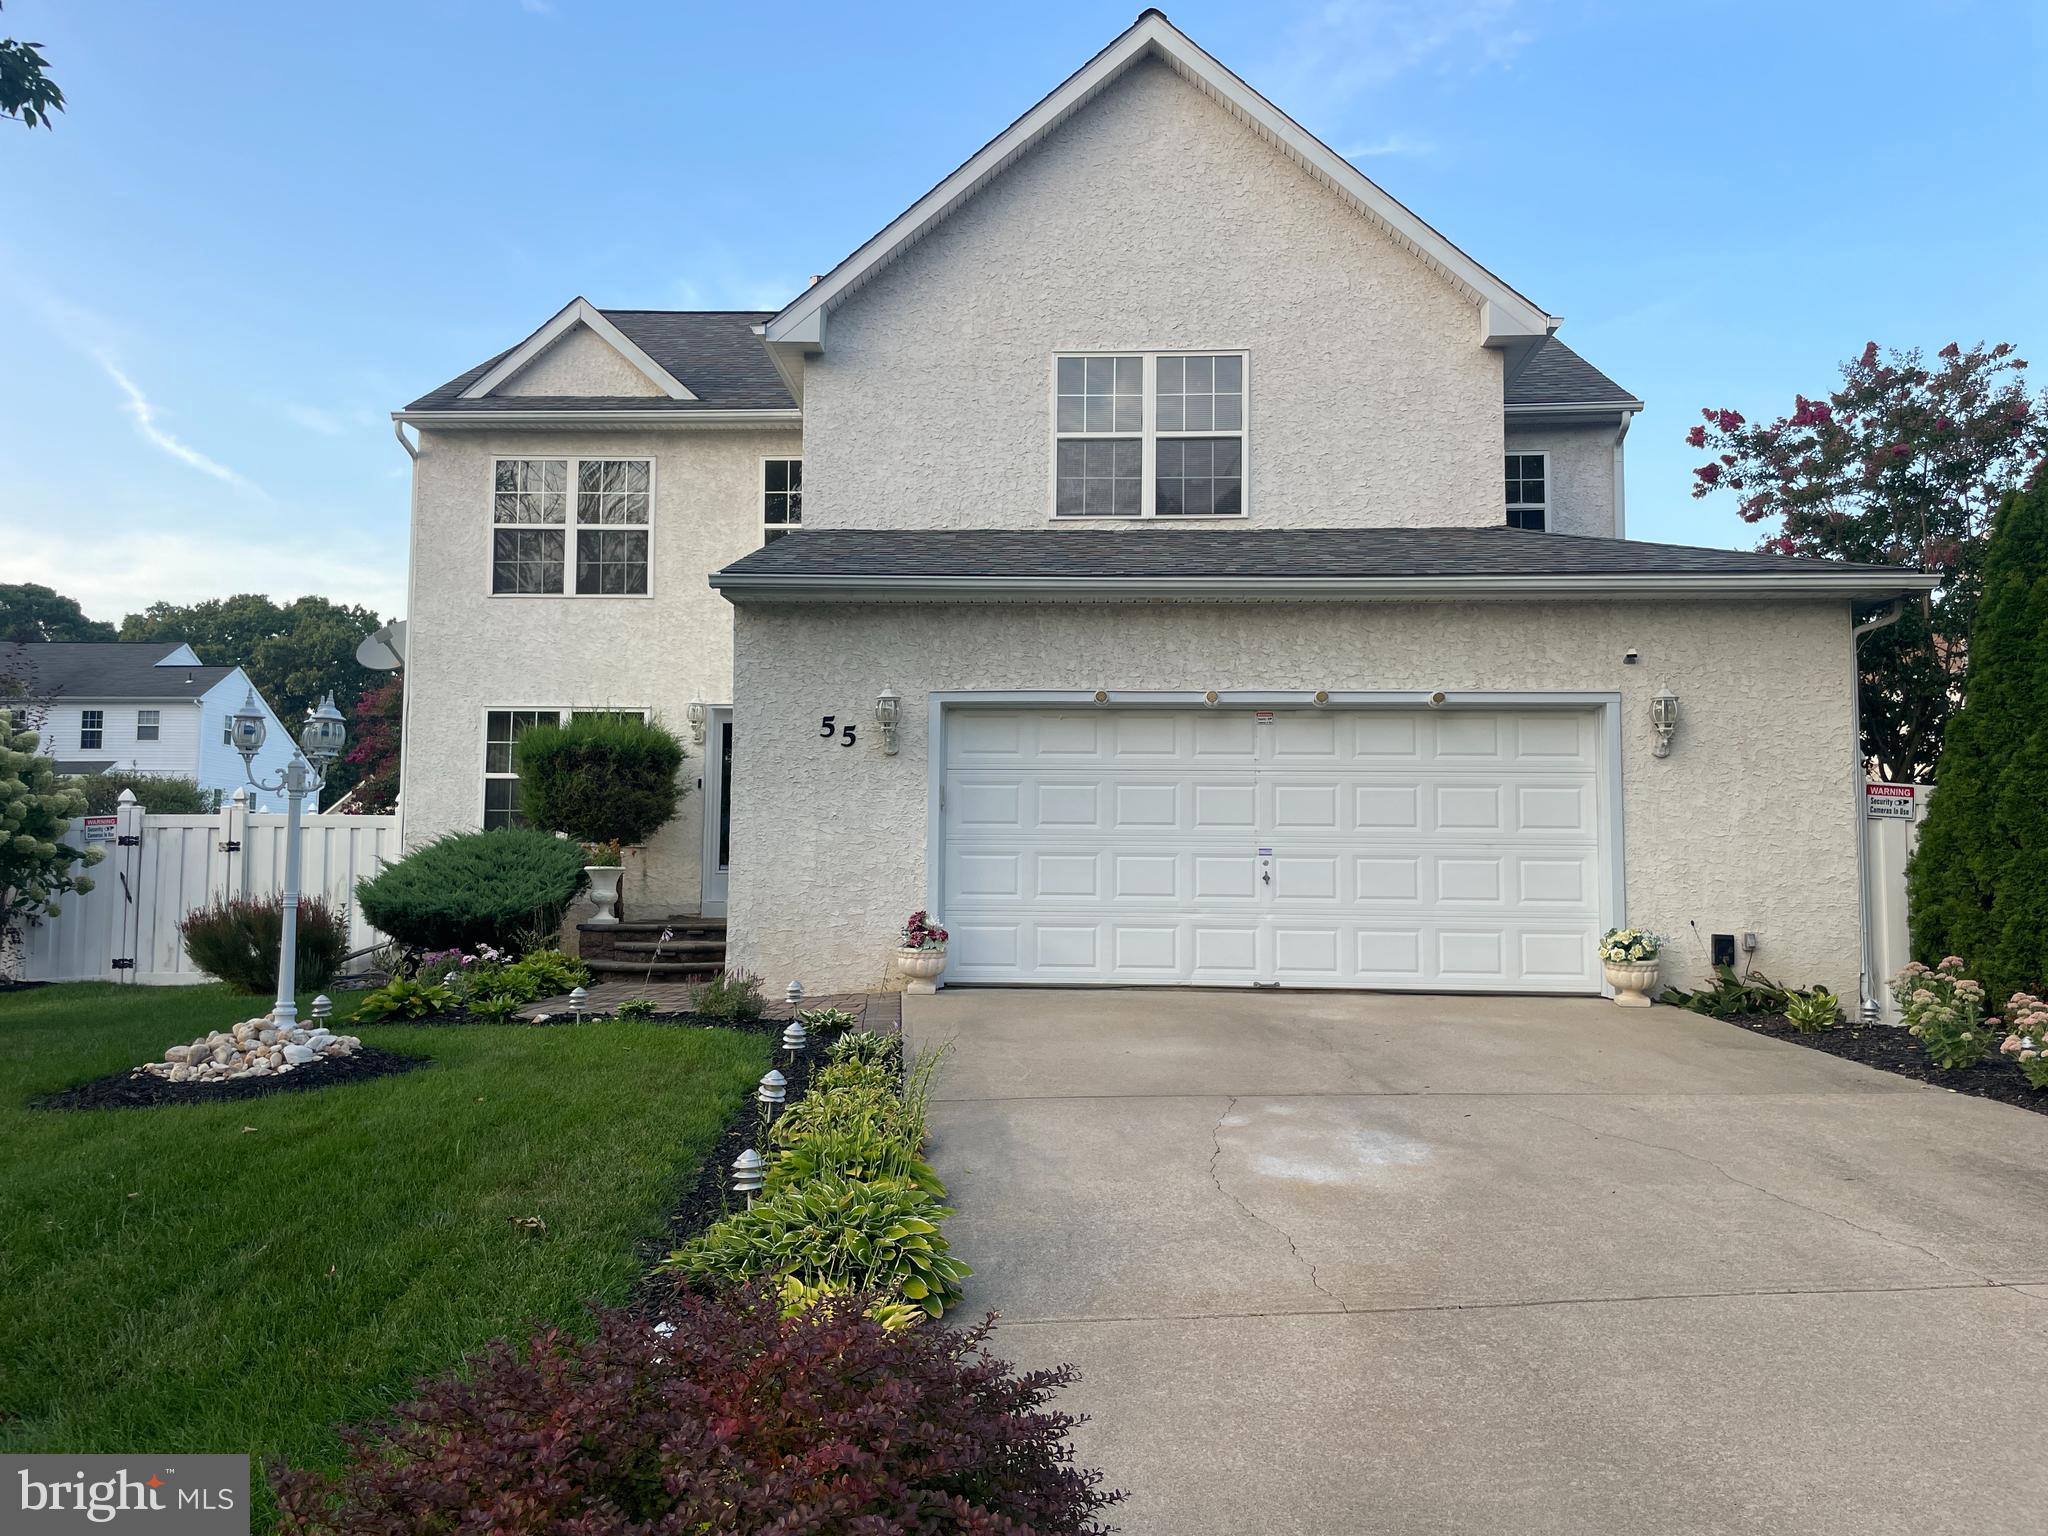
(1882, 801)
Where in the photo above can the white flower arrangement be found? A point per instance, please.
(1630, 946)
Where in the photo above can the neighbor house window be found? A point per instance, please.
(146, 723)
(531, 524)
(782, 497)
(1149, 434)
(502, 729)
(227, 730)
(92, 729)
(1528, 490)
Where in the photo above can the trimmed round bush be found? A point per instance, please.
(600, 778)
(239, 941)
(472, 888)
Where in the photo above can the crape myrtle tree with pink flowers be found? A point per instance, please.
(1904, 464)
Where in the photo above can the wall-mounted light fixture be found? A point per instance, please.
(1209, 699)
(1664, 717)
(885, 716)
(694, 713)
(1101, 697)
(1436, 700)
(1321, 698)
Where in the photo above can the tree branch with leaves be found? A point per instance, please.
(27, 93)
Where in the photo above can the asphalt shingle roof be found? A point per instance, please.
(714, 353)
(1556, 375)
(112, 669)
(1221, 554)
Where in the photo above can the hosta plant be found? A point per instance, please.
(850, 1154)
(636, 1008)
(403, 999)
(865, 1045)
(818, 1020)
(880, 1238)
(1811, 1012)
(495, 1010)
(2027, 1043)
(1944, 1011)
(731, 1416)
(1731, 996)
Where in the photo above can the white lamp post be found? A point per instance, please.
(320, 741)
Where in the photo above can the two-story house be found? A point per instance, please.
(1208, 574)
(145, 707)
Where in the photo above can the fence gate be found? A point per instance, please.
(1891, 823)
(159, 868)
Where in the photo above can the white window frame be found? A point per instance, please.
(1149, 434)
(1549, 491)
(568, 527)
(560, 711)
(93, 721)
(151, 720)
(766, 526)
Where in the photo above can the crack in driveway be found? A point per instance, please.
(1216, 1178)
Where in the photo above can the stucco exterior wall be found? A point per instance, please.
(470, 652)
(1154, 219)
(580, 363)
(1581, 475)
(1748, 826)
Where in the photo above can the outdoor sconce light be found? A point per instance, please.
(885, 716)
(1101, 697)
(1436, 700)
(694, 713)
(749, 1173)
(1320, 699)
(1664, 716)
(1209, 699)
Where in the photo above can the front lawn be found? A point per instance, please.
(243, 1276)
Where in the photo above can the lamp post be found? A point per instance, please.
(320, 742)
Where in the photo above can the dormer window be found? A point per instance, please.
(1149, 434)
(1528, 490)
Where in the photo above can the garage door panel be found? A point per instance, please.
(1563, 879)
(1225, 738)
(973, 876)
(1075, 947)
(1147, 876)
(1305, 806)
(1380, 739)
(1063, 876)
(1388, 956)
(1226, 807)
(1468, 738)
(1555, 739)
(1226, 877)
(1388, 878)
(1305, 877)
(1224, 952)
(1470, 808)
(1146, 806)
(1304, 738)
(1303, 952)
(1464, 881)
(1542, 808)
(1387, 807)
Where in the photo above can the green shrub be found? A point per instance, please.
(851, 1155)
(473, 888)
(239, 942)
(402, 999)
(863, 1045)
(166, 795)
(1731, 996)
(36, 865)
(602, 778)
(861, 1111)
(1811, 1012)
(833, 1232)
(495, 1010)
(730, 995)
(636, 1008)
(537, 974)
(1944, 1011)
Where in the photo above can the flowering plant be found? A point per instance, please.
(922, 933)
(2027, 1044)
(1630, 946)
(1944, 1011)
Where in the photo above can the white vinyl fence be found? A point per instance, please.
(1891, 822)
(159, 868)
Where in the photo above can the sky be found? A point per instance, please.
(259, 228)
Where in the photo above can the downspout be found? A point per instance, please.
(1620, 486)
(412, 536)
(1866, 984)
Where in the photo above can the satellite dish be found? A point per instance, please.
(383, 650)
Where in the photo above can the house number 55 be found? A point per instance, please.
(845, 732)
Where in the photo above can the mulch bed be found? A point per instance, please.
(462, 1018)
(135, 1089)
(1890, 1049)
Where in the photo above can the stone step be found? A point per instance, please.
(658, 970)
(674, 949)
(652, 927)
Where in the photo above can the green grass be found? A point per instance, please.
(172, 1281)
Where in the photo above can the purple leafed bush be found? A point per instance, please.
(721, 1415)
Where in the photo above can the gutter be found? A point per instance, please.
(777, 417)
(1579, 407)
(1869, 1007)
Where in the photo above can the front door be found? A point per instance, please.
(717, 856)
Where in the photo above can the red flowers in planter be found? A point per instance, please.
(922, 933)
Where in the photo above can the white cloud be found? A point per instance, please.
(328, 421)
(1392, 144)
(1345, 48)
(138, 406)
(123, 571)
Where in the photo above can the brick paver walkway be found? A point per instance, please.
(879, 1011)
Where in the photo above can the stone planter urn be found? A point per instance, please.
(1632, 982)
(604, 891)
(922, 966)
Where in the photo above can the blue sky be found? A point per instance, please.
(261, 227)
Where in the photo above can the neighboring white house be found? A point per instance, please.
(1244, 562)
(146, 707)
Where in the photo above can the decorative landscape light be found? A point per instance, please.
(793, 994)
(1664, 718)
(323, 1006)
(774, 1090)
(794, 1038)
(321, 739)
(885, 716)
(749, 1173)
(694, 713)
(578, 1000)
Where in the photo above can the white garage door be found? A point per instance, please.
(1426, 849)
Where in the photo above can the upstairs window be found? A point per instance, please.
(1528, 490)
(502, 730)
(1149, 434)
(147, 724)
(92, 729)
(782, 497)
(531, 521)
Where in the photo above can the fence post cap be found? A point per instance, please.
(126, 797)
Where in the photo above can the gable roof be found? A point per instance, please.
(578, 311)
(1556, 376)
(1507, 317)
(78, 671)
(912, 564)
(713, 353)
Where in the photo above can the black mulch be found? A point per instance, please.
(140, 1090)
(463, 1017)
(1890, 1049)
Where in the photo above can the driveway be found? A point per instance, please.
(1347, 1263)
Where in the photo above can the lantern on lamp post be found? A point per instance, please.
(320, 742)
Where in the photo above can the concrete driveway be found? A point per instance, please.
(1334, 1263)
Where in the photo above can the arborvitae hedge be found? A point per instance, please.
(600, 778)
(1978, 886)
